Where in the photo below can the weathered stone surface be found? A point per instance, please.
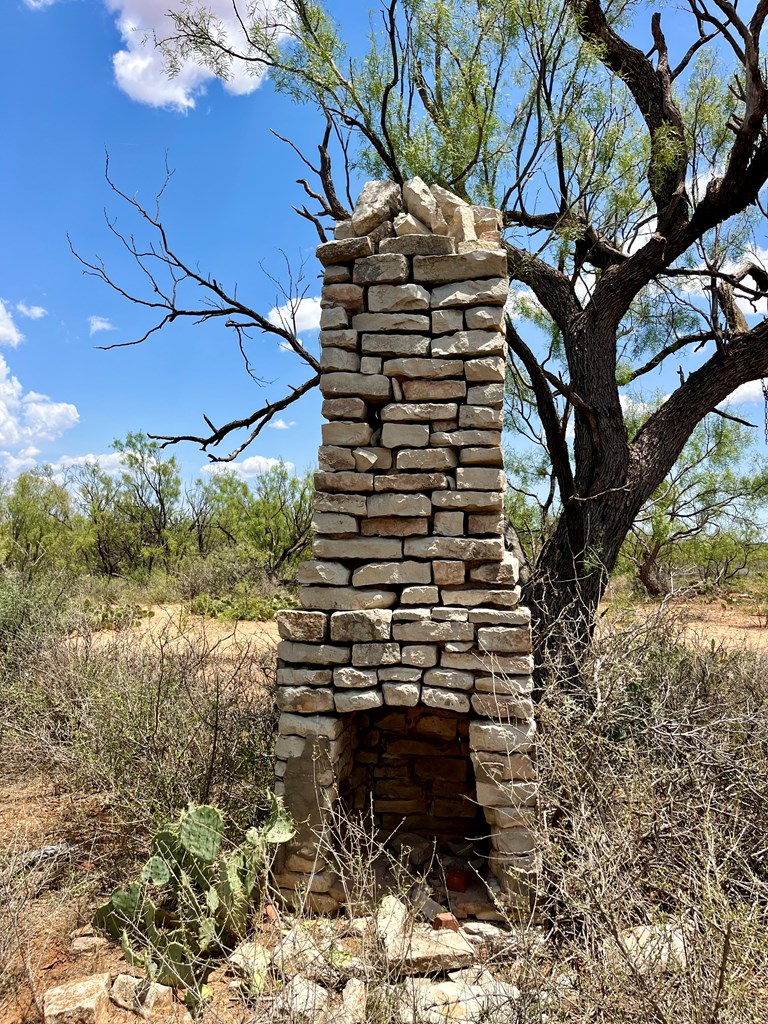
(447, 321)
(357, 700)
(505, 686)
(466, 438)
(359, 547)
(333, 317)
(432, 631)
(339, 359)
(482, 457)
(390, 298)
(347, 434)
(375, 654)
(379, 322)
(344, 250)
(423, 369)
(420, 655)
(489, 664)
(488, 368)
(303, 677)
(468, 344)
(419, 595)
(433, 390)
(333, 523)
(464, 548)
(447, 700)
(126, 992)
(370, 364)
(492, 292)
(504, 639)
(350, 296)
(400, 673)
(449, 679)
(395, 344)
(505, 573)
(361, 626)
(347, 504)
(358, 385)
(344, 340)
(378, 202)
(401, 694)
(469, 501)
(472, 598)
(399, 505)
(462, 225)
(430, 952)
(448, 573)
(447, 201)
(85, 1001)
(372, 458)
(409, 412)
(317, 571)
(449, 524)
(495, 766)
(486, 394)
(344, 409)
(302, 1000)
(502, 706)
(419, 245)
(397, 435)
(481, 417)
(390, 526)
(421, 203)
(312, 654)
(502, 737)
(345, 598)
(390, 574)
(386, 268)
(480, 479)
(305, 699)
(652, 949)
(445, 269)
(354, 1000)
(310, 726)
(497, 617)
(426, 458)
(301, 626)
(342, 481)
(331, 458)
(485, 318)
(407, 224)
(337, 274)
(411, 482)
(349, 678)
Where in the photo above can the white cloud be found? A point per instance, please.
(140, 69)
(9, 332)
(38, 5)
(110, 462)
(27, 419)
(13, 464)
(100, 323)
(249, 468)
(752, 391)
(31, 312)
(304, 313)
(281, 424)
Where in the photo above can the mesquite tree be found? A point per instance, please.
(629, 170)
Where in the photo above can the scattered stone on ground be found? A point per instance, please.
(653, 948)
(85, 1001)
(301, 1000)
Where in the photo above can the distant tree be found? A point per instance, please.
(36, 524)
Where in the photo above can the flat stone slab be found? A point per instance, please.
(85, 1001)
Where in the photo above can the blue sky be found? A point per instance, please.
(78, 81)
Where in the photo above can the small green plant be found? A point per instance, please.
(114, 616)
(240, 606)
(191, 903)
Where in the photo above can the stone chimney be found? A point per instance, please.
(404, 683)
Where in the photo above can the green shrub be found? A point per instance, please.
(242, 606)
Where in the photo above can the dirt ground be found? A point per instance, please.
(34, 815)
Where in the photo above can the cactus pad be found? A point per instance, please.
(201, 832)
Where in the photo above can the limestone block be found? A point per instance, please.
(375, 654)
(419, 595)
(488, 368)
(85, 1001)
(400, 674)
(411, 614)
(310, 726)
(420, 655)
(511, 817)
(290, 748)
(471, 598)
(427, 631)
(331, 458)
(304, 676)
(343, 433)
(401, 694)
(349, 678)
(345, 598)
(357, 700)
(410, 412)
(471, 265)
(469, 501)
(468, 344)
(301, 626)
(358, 385)
(345, 339)
(370, 364)
(339, 359)
(462, 548)
(348, 504)
(419, 245)
(369, 458)
(489, 664)
(423, 369)
(481, 456)
(449, 679)
(381, 322)
(480, 479)
(486, 394)
(495, 766)
(391, 298)
(411, 482)
(344, 250)
(449, 700)
(447, 201)
(398, 435)
(497, 617)
(504, 639)
(419, 201)
(515, 841)
(379, 201)
(480, 417)
(350, 296)
(389, 574)
(448, 573)
(479, 524)
(485, 318)
(359, 547)
(395, 344)
(333, 317)
(312, 654)
(342, 481)
(447, 321)
(389, 268)
(392, 526)
(502, 706)
(407, 224)
(316, 571)
(487, 219)
(450, 614)
(399, 505)
(501, 736)
(307, 700)
(344, 409)
(337, 274)
(361, 626)
(492, 292)
(466, 438)
(426, 458)
(449, 524)
(506, 573)
(461, 226)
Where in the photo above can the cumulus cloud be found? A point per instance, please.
(108, 462)
(140, 69)
(31, 312)
(281, 424)
(9, 332)
(38, 5)
(99, 323)
(28, 418)
(752, 391)
(300, 315)
(15, 463)
(249, 468)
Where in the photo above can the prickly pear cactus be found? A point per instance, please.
(201, 832)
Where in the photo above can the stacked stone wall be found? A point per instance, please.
(410, 600)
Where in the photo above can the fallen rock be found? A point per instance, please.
(127, 991)
(85, 1001)
(87, 943)
(391, 920)
(158, 1001)
(653, 948)
(427, 952)
(355, 1000)
(310, 950)
(250, 961)
(427, 1002)
(301, 999)
(379, 201)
